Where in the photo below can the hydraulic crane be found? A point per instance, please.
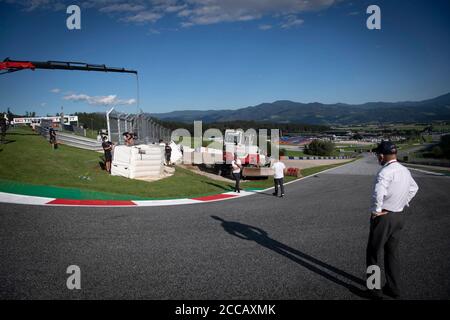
(8, 66)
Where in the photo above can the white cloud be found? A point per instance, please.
(144, 16)
(154, 31)
(123, 7)
(55, 90)
(192, 12)
(291, 21)
(215, 11)
(265, 27)
(187, 24)
(99, 100)
(33, 4)
(184, 13)
(175, 8)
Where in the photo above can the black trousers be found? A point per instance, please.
(237, 177)
(279, 182)
(384, 235)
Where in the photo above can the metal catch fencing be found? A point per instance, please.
(146, 129)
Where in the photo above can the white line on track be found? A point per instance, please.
(427, 172)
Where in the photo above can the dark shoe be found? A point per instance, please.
(388, 291)
(282, 195)
(274, 194)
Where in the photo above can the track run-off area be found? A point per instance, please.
(308, 245)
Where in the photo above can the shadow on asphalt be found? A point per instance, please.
(263, 194)
(250, 233)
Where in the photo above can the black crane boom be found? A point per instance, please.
(8, 66)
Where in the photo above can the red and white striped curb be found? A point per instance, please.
(43, 201)
(33, 200)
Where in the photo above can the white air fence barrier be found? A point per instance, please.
(138, 162)
(176, 156)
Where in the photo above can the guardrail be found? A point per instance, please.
(72, 140)
(315, 158)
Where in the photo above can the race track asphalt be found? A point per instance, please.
(308, 245)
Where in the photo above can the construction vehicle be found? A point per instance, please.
(244, 145)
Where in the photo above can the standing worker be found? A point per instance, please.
(52, 138)
(278, 177)
(394, 189)
(128, 138)
(236, 166)
(3, 127)
(107, 148)
(168, 152)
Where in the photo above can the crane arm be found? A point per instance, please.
(8, 66)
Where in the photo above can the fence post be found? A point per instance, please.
(118, 128)
(108, 124)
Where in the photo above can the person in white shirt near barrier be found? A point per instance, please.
(236, 166)
(393, 191)
(278, 176)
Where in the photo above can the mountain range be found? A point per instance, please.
(285, 111)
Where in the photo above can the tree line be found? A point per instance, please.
(93, 121)
(97, 121)
(285, 128)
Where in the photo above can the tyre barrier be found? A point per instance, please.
(293, 172)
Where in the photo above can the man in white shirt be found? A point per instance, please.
(236, 166)
(278, 176)
(394, 189)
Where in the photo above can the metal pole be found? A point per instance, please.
(108, 124)
(118, 128)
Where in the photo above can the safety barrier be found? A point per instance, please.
(142, 161)
(315, 158)
(72, 140)
(293, 172)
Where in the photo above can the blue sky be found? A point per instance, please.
(211, 54)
